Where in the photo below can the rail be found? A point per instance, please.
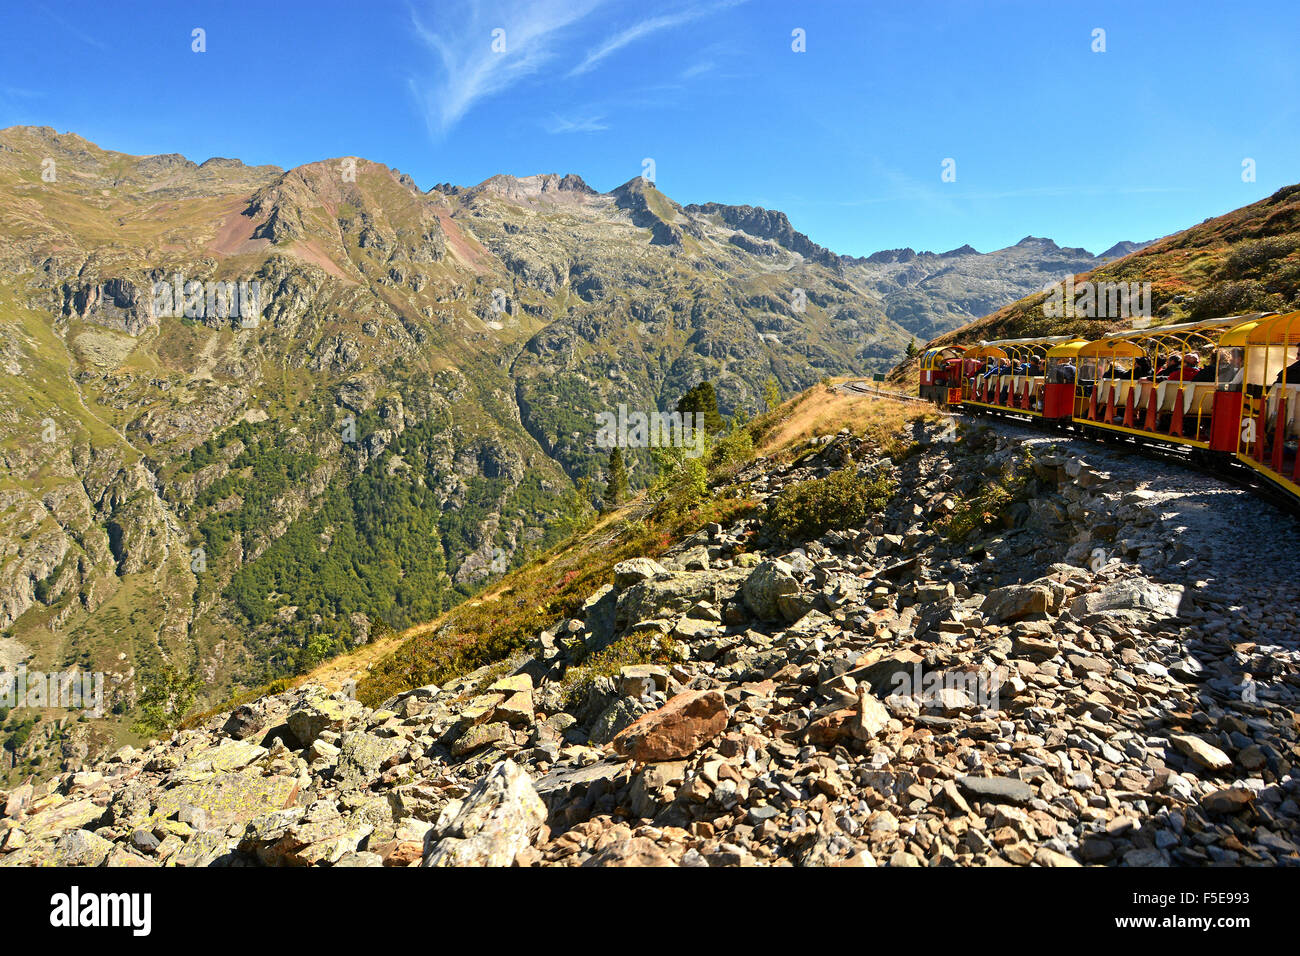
(871, 388)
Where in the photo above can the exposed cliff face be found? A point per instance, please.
(767, 224)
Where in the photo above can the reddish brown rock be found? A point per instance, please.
(833, 727)
(677, 729)
(637, 851)
(1228, 800)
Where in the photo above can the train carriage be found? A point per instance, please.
(1268, 439)
(941, 374)
(1152, 384)
(1223, 390)
(1009, 375)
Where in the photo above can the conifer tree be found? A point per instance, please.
(616, 489)
(702, 401)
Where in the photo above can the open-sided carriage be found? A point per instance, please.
(1225, 388)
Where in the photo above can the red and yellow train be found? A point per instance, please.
(1225, 391)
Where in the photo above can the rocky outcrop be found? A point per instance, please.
(767, 224)
(116, 303)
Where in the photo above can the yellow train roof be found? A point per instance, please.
(1275, 330)
(1066, 349)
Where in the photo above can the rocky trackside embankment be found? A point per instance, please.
(1075, 682)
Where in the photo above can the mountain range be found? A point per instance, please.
(195, 496)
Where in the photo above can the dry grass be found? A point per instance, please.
(823, 410)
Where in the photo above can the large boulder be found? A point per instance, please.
(635, 570)
(634, 851)
(673, 595)
(363, 756)
(228, 798)
(772, 580)
(1016, 601)
(493, 824)
(81, 848)
(598, 613)
(320, 712)
(677, 729)
(1130, 594)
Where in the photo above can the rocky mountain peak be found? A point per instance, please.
(549, 186)
(1036, 242)
(767, 224)
(891, 255)
(1123, 248)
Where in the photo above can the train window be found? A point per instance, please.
(1290, 373)
(1060, 371)
(1257, 366)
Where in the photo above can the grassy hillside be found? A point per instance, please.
(552, 587)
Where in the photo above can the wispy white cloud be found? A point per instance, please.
(81, 35)
(578, 124)
(473, 62)
(698, 69)
(645, 28)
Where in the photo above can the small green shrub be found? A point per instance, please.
(682, 481)
(842, 500)
(731, 452)
(642, 648)
(1228, 298)
(1246, 257)
(988, 507)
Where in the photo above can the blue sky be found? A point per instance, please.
(1049, 138)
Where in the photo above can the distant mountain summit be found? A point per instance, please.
(930, 293)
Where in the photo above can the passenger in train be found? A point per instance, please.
(1063, 373)
(1173, 365)
(1142, 368)
(1232, 370)
(1206, 374)
(1291, 374)
(1180, 367)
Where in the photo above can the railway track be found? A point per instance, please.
(871, 388)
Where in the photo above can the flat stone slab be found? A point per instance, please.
(997, 789)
